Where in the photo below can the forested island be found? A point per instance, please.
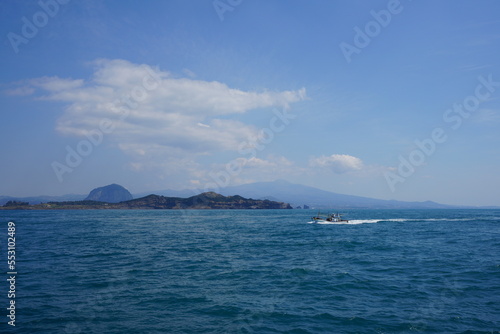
(207, 200)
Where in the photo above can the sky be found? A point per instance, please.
(384, 99)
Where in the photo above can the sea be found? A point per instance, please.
(249, 271)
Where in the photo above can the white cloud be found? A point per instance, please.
(339, 163)
(154, 112)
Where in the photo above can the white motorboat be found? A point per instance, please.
(331, 218)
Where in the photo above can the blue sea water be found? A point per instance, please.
(253, 271)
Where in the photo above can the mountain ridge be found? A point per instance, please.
(207, 200)
(280, 190)
(297, 194)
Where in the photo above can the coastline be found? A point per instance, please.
(205, 201)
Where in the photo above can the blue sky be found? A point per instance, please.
(386, 99)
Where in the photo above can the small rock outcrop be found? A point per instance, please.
(113, 193)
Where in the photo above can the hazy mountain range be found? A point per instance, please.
(283, 191)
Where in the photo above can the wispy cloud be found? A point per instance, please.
(267, 168)
(339, 163)
(487, 116)
(20, 91)
(474, 67)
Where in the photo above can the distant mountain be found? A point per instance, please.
(297, 194)
(113, 193)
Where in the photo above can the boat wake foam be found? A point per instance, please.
(372, 221)
(350, 222)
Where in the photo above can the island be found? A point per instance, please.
(207, 200)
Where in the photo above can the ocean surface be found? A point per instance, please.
(252, 271)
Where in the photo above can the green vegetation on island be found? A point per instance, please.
(207, 200)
